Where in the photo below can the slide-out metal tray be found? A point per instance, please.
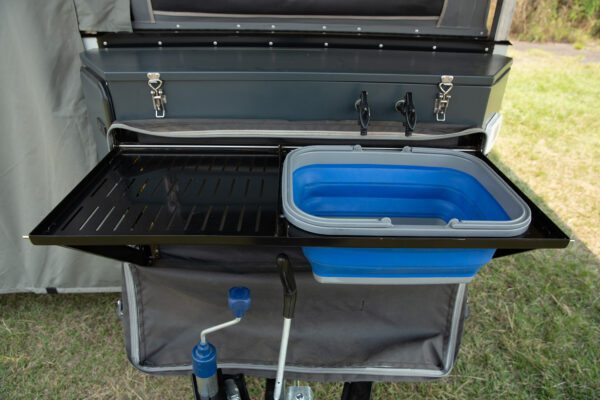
(206, 195)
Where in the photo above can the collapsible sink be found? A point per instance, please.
(345, 190)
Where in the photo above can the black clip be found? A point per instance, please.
(406, 107)
(364, 112)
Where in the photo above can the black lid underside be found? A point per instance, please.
(468, 18)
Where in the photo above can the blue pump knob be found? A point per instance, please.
(239, 301)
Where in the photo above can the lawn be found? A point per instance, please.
(534, 326)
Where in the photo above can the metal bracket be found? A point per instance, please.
(159, 99)
(299, 393)
(139, 255)
(443, 99)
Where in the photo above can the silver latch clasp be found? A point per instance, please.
(159, 99)
(443, 99)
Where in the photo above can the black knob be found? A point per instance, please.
(364, 112)
(406, 107)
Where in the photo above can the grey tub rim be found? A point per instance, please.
(514, 206)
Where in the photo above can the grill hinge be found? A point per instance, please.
(159, 99)
(443, 99)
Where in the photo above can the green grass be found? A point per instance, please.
(556, 20)
(534, 327)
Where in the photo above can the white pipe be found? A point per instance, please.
(285, 335)
(217, 328)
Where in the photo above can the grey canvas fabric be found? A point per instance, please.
(103, 15)
(340, 332)
(46, 145)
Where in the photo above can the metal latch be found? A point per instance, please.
(158, 97)
(443, 100)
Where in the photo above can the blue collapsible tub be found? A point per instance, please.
(345, 190)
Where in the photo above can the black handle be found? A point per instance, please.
(286, 273)
(407, 108)
(364, 112)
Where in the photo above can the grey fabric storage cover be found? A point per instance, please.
(339, 332)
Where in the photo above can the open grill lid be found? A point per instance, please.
(465, 18)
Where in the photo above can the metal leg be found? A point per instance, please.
(269, 388)
(357, 391)
(195, 388)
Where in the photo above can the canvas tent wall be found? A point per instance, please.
(46, 142)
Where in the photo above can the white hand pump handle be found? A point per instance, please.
(289, 304)
(217, 328)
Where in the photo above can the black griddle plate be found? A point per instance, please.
(160, 194)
